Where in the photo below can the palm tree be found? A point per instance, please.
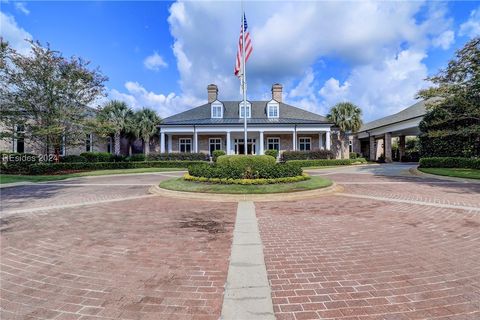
(115, 118)
(145, 126)
(347, 117)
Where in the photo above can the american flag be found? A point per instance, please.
(248, 47)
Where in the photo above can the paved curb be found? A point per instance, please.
(28, 183)
(420, 174)
(247, 291)
(222, 197)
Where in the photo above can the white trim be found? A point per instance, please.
(180, 142)
(210, 143)
(273, 104)
(222, 129)
(90, 144)
(279, 143)
(216, 104)
(249, 110)
(309, 142)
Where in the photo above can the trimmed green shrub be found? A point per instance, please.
(12, 162)
(272, 153)
(178, 157)
(136, 157)
(216, 154)
(307, 155)
(52, 168)
(354, 155)
(450, 162)
(327, 162)
(97, 156)
(260, 181)
(73, 158)
(235, 171)
(244, 162)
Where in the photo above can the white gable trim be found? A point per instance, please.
(214, 113)
(271, 105)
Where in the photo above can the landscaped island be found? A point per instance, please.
(245, 174)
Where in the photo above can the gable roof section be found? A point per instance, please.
(202, 115)
(415, 111)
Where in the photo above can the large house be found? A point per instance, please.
(219, 125)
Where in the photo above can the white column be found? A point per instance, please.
(294, 138)
(195, 140)
(162, 142)
(170, 143)
(327, 140)
(229, 147)
(262, 149)
(320, 141)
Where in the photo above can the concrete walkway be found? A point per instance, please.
(247, 291)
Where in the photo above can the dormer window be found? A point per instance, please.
(241, 112)
(217, 109)
(273, 109)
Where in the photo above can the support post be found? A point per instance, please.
(170, 144)
(195, 140)
(401, 147)
(162, 142)
(373, 152)
(262, 149)
(320, 141)
(327, 140)
(294, 140)
(229, 147)
(387, 144)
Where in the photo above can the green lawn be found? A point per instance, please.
(10, 178)
(453, 172)
(179, 184)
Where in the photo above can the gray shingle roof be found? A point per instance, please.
(417, 110)
(202, 115)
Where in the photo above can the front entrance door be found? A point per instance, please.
(240, 146)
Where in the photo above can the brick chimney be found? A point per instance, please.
(277, 92)
(212, 92)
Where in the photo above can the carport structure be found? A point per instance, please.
(375, 138)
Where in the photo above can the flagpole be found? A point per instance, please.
(244, 86)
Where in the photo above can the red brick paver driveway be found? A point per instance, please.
(338, 257)
(149, 258)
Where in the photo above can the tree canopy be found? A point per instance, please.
(451, 126)
(47, 95)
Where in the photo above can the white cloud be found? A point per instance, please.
(384, 44)
(137, 96)
(14, 34)
(154, 62)
(471, 27)
(22, 7)
(380, 89)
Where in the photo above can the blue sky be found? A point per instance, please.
(164, 54)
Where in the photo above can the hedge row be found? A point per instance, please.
(178, 156)
(260, 181)
(12, 162)
(450, 162)
(307, 155)
(244, 162)
(238, 171)
(327, 162)
(51, 168)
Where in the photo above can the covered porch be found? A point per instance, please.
(231, 140)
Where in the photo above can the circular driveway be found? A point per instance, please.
(390, 246)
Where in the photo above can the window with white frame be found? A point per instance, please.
(273, 109)
(215, 144)
(273, 144)
(305, 143)
(217, 109)
(242, 110)
(62, 147)
(89, 142)
(110, 145)
(185, 145)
